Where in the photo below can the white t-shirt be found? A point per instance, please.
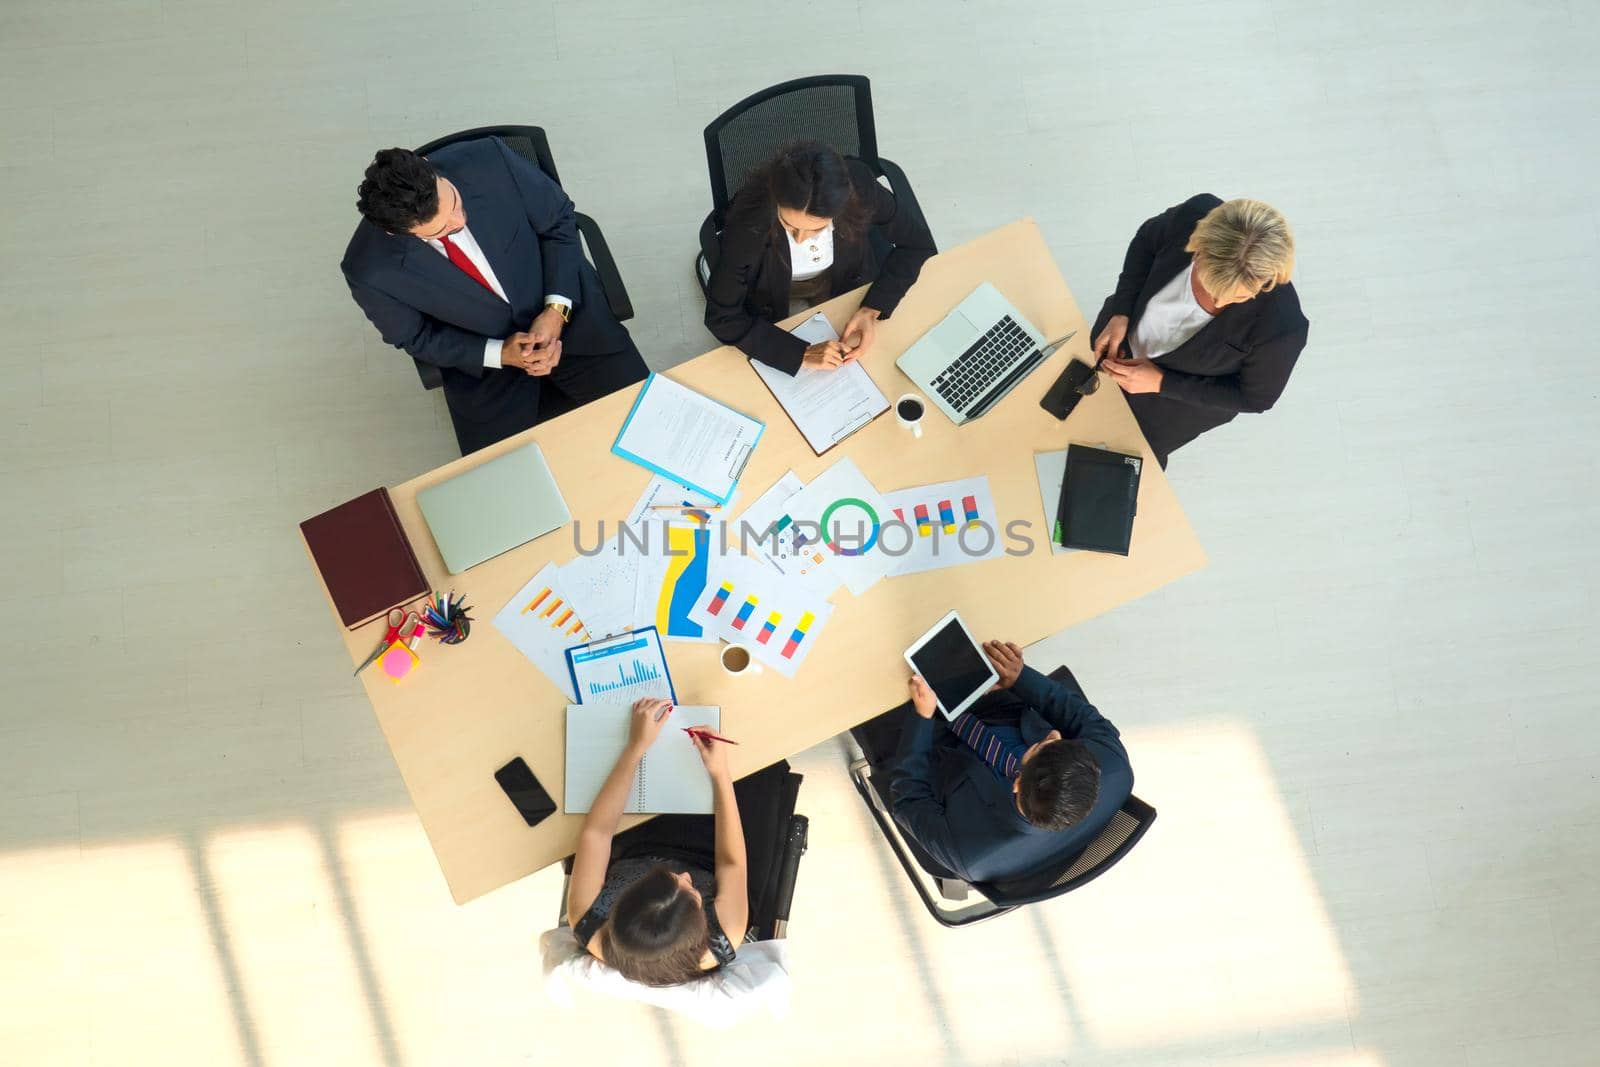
(810, 257)
(1171, 317)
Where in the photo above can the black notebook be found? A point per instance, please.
(1099, 497)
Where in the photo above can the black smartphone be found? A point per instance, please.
(530, 798)
(1077, 381)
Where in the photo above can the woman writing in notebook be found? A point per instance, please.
(805, 227)
(658, 919)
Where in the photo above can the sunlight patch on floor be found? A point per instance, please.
(292, 949)
(1223, 875)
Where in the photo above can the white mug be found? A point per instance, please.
(908, 411)
(743, 661)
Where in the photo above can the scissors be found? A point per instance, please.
(409, 623)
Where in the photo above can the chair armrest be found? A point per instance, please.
(432, 377)
(710, 252)
(606, 267)
(900, 185)
(795, 839)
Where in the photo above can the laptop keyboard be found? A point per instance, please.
(990, 359)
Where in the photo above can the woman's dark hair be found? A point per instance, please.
(400, 190)
(1059, 785)
(812, 177)
(657, 931)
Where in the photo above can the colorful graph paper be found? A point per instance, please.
(555, 610)
(950, 520)
(799, 635)
(777, 619)
(636, 673)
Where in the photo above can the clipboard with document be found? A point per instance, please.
(826, 406)
(700, 443)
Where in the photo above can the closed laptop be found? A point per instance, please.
(493, 508)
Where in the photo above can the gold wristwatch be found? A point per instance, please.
(560, 309)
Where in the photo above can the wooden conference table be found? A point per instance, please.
(469, 709)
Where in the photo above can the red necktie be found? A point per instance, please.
(459, 258)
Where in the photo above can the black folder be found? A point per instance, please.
(1099, 497)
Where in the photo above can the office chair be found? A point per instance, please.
(1124, 830)
(529, 142)
(833, 108)
(773, 894)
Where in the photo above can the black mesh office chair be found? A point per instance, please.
(833, 108)
(1124, 830)
(530, 143)
(772, 889)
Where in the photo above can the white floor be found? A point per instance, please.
(1370, 726)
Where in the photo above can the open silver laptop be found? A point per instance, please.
(493, 508)
(974, 356)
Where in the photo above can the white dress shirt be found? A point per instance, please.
(1171, 317)
(810, 257)
(468, 244)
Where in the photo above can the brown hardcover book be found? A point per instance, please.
(364, 556)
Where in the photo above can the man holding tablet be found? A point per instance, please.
(1026, 775)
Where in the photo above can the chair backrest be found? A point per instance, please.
(832, 108)
(1128, 824)
(526, 141)
(786, 836)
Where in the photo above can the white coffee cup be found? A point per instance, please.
(738, 660)
(908, 411)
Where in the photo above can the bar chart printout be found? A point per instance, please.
(949, 524)
(773, 615)
(621, 669)
(542, 623)
(635, 674)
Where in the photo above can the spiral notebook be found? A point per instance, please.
(671, 778)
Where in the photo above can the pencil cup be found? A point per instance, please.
(737, 661)
(909, 410)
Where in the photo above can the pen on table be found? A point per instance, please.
(708, 735)
(685, 507)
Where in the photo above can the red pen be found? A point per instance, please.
(695, 731)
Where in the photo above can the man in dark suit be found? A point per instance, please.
(1024, 780)
(470, 260)
(1204, 323)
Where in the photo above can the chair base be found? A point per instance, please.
(925, 884)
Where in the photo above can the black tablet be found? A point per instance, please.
(953, 664)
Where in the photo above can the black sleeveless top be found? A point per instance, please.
(623, 873)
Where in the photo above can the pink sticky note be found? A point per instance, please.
(397, 661)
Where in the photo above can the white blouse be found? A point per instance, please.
(810, 257)
(1171, 317)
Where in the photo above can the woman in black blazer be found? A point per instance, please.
(806, 226)
(1204, 323)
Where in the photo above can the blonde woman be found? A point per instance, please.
(1204, 323)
